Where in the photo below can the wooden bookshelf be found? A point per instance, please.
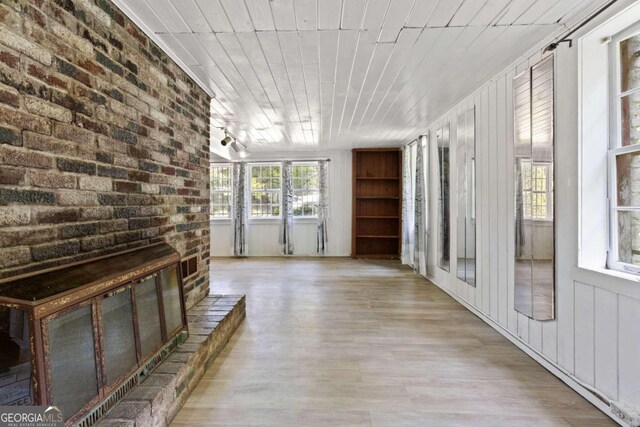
(377, 203)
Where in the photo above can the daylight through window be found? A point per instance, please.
(265, 191)
(625, 152)
(306, 193)
(221, 191)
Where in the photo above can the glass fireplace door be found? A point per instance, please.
(171, 300)
(72, 359)
(118, 336)
(148, 314)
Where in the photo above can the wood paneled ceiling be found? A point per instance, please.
(334, 74)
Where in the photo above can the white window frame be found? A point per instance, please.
(616, 149)
(271, 191)
(218, 191)
(316, 189)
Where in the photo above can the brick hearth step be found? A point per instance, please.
(157, 400)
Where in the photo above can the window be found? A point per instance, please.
(306, 193)
(624, 153)
(537, 192)
(265, 191)
(221, 191)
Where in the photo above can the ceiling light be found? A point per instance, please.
(232, 142)
(240, 149)
(228, 139)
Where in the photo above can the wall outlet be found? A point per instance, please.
(626, 414)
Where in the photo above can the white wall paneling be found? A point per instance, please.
(263, 233)
(594, 343)
(393, 65)
(629, 351)
(605, 320)
(584, 335)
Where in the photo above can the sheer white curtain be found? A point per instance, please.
(415, 204)
(323, 206)
(418, 209)
(239, 209)
(408, 212)
(423, 144)
(286, 225)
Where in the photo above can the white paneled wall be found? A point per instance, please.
(594, 343)
(263, 234)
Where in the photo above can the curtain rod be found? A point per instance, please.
(565, 39)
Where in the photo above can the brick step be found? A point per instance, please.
(157, 400)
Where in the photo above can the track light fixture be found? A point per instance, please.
(240, 149)
(237, 147)
(228, 139)
(232, 142)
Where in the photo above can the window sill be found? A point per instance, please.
(263, 220)
(610, 280)
(304, 219)
(296, 220)
(220, 220)
(542, 222)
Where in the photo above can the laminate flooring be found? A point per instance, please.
(347, 342)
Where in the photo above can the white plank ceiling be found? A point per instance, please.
(334, 74)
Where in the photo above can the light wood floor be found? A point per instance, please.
(342, 342)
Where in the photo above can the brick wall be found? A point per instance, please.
(104, 141)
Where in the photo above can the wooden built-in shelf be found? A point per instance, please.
(379, 178)
(377, 203)
(377, 256)
(377, 197)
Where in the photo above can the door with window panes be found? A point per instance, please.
(624, 154)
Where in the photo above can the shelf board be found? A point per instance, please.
(391, 178)
(377, 217)
(376, 256)
(369, 236)
(377, 197)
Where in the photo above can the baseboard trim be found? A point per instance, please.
(283, 257)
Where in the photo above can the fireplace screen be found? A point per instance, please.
(75, 336)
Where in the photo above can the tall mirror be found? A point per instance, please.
(442, 140)
(534, 193)
(466, 218)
